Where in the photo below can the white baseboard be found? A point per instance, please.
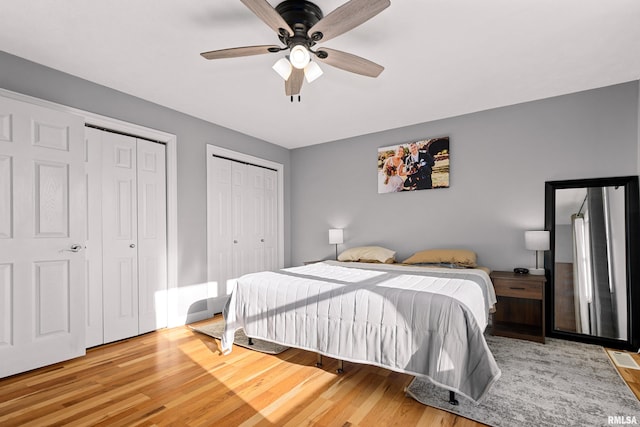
(192, 303)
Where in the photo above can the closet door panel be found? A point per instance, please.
(242, 214)
(119, 214)
(93, 153)
(152, 236)
(270, 220)
(219, 225)
(256, 217)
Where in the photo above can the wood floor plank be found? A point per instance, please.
(631, 376)
(177, 377)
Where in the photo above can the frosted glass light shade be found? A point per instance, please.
(299, 56)
(312, 72)
(536, 240)
(283, 67)
(336, 237)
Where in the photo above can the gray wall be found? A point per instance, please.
(19, 75)
(500, 160)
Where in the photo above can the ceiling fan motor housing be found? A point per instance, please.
(301, 15)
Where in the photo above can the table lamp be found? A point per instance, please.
(336, 237)
(536, 241)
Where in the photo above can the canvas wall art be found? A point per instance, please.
(416, 165)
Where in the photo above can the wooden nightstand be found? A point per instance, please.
(520, 308)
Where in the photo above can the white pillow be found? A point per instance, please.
(368, 254)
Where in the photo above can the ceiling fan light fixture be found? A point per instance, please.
(299, 56)
(300, 25)
(312, 72)
(283, 68)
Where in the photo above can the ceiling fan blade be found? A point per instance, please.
(347, 17)
(263, 10)
(294, 83)
(349, 62)
(236, 52)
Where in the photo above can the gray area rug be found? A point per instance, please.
(216, 328)
(561, 383)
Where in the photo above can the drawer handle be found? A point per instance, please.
(516, 289)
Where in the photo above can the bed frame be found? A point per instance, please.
(340, 370)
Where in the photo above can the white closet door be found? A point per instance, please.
(242, 220)
(152, 236)
(255, 226)
(95, 324)
(120, 224)
(42, 232)
(241, 212)
(270, 219)
(126, 286)
(219, 224)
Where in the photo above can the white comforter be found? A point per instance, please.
(425, 322)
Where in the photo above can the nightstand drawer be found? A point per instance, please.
(518, 288)
(520, 307)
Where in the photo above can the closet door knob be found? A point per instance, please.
(235, 241)
(133, 245)
(262, 240)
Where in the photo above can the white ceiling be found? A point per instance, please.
(442, 58)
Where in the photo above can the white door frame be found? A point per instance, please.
(170, 141)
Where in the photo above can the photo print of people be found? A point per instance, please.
(416, 165)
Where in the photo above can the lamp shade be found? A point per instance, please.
(536, 240)
(312, 72)
(283, 67)
(335, 236)
(299, 56)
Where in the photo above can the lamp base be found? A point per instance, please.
(537, 271)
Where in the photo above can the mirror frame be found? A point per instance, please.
(632, 219)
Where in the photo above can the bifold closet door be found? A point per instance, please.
(259, 218)
(119, 231)
(270, 232)
(42, 234)
(93, 251)
(242, 220)
(152, 236)
(219, 224)
(134, 237)
(254, 220)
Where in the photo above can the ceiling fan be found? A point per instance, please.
(300, 25)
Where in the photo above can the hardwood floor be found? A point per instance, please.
(178, 377)
(632, 376)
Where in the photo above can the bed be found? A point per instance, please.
(427, 322)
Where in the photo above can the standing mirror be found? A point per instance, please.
(593, 261)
